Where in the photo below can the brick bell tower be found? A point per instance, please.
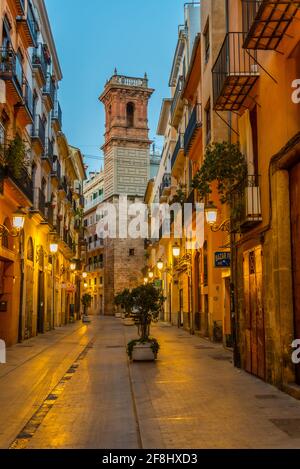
(126, 172)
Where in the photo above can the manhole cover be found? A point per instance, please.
(289, 426)
(266, 396)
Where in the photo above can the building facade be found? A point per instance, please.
(93, 190)
(40, 174)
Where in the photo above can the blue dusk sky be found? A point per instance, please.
(94, 37)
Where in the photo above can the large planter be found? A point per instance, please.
(143, 353)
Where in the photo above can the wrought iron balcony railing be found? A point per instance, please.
(39, 61)
(49, 89)
(39, 201)
(165, 184)
(195, 123)
(39, 131)
(28, 99)
(177, 95)
(178, 148)
(11, 70)
(56, 168)
(20, 179)
(266, 22)
(29, 25)
(247, 203)
(234, 74)
(57, 114)
(64, 184)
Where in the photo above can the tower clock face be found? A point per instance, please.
(130, 81)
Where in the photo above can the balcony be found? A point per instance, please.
(39, 202)
(96, 244)
(20, 5)
(234, 74)
(69, 242)
(40, 64)
(11, 72)
(49, 92)
(38, 135)
(25, 107)
(266, 22)
(63, 186)
(247, 203)
(57, 116)
(19, 184)
(56, 168)
(177, 103)
(27, 27)
(47, 157)
(165, 187)
(195, 123)
(94, 267)
(177, 161)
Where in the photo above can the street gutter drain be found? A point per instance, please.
(27, 433)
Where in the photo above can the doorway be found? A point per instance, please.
(295, 235)
(254, 313)
(41, 304)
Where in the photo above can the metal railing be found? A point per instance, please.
(246, 202)
(95, 244)
(49, 88)
(11, 68)
(57, 113)
(28, 97)
(94, 266)
(39, 130)
(64, 184)
(56, 167)
(179, 146)
(195, 122)
(39, 60)
(177, 94)
(31, 21)
(39, 202)
(233, 70)
(22, 180)
(166, 183)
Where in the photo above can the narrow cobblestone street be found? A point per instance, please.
(74, 388)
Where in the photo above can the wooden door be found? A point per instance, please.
(295, 234)
(41, 303)
(254, 313)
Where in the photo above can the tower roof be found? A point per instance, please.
(126, 82)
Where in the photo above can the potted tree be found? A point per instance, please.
(147, 303)
(86, 301)
(124, 300)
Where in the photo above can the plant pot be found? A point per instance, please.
(128, 322)
(143, 353)
(86, 319)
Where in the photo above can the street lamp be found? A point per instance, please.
(18, 220)
(84, 274)
(145, 280)
(150, 274)
(53, 248)
(211, 214)
(85, 285)
(176, 250)
(73, 266)
(160, 264)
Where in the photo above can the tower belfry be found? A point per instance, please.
(126, 151)
(127, 145)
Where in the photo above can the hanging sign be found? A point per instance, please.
(222, 259)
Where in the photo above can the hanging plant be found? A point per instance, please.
(13, 156)
(180, 195)
(227, 166)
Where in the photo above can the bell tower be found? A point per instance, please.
(126, 173)
(127, 145)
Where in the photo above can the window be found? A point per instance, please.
(253, 122)
(85, 223)
(205, 264)
(131, 252)
(6, 240)
(130, 114)
(30, 251)
(208, 122)
(100, 257)
(206, 42)
(95, 281)
(101, 280)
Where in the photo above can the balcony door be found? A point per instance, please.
(295, 232)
